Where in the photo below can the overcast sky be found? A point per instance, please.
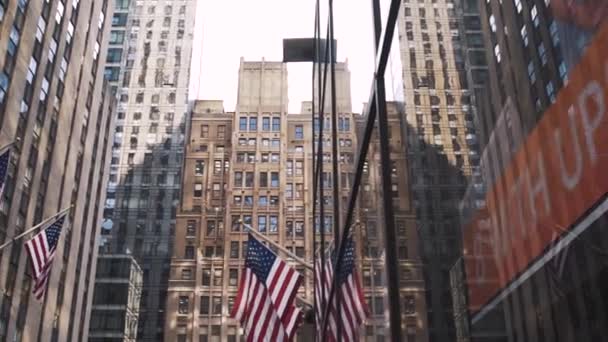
(230, 29)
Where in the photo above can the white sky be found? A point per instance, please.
(229, 29)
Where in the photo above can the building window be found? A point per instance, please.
(204, 309)
(262, 223)
(243, 123)
(534, 15)
(518, 6)
(191, 228)
(274, 179)
(238, 178)
(299, 228)
(253, 124)
(276, 124)
(234, 250)
(217, 277)
(531, 72)
(183, 305)
(233, 275)
(210, 227)
(290, 167)
(217, 305)
(492, 23)
(249, 179)
(186, 274)
(206, 280)
(221, 131)
(563, 71)
(497, 53)
(542, 53)
(550, 91)
(266, 124)
(524, 35)
(274, 224)
(248, 201)
(554, 33)
(263, 179)
(189, 253)
(409, 305)
(262, 201)
(289, 190)
(217, 190)
(198, 190)
(299, 132)
(199, 167)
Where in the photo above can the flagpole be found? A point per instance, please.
(281, 248)
(35, 227)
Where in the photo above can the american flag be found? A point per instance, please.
(353, 310)
(265, 301)
(41, 249)
(4, 159)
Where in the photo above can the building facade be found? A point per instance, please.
(438, 42)
(255, 165)
(116, 300)
(148, 65)
(55, 101)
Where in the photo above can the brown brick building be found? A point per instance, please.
(255, 164)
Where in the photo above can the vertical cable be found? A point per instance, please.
(315, 161)
(335, 156)
(322, 81)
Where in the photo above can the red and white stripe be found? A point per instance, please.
(42, 259)
(353, 310)
(266, 310)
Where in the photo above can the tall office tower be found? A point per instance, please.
(53, 99)
(148, 63)
(255, 165)
(442, 151)
(525, 61)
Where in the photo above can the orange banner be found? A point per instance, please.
(560, 171)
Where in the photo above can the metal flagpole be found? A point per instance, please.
(281, 248)
(35, 227)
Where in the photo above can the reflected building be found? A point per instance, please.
(255, 165)
(440, 49)
(55, 104)
(148, 66)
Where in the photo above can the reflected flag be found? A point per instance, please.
(41, 249)
(353, 310)
(265, 300)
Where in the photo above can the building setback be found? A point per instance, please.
(54, 99)
(148, 65)
(255, 164)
